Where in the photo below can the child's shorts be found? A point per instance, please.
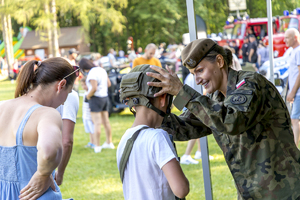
(88, 125)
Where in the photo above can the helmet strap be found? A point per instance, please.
(161, 113)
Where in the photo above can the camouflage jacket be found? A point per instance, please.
(252, 126)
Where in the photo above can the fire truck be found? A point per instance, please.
(227, 31)
(287, 21)
(256, 26)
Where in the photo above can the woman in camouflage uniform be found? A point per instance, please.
(246, 115)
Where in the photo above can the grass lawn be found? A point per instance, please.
(95, 176)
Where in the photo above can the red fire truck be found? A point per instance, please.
(286, 21)
(256, 26)
(227, 31)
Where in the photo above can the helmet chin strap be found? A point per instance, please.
(145, 102)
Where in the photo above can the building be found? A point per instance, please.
(69, 37)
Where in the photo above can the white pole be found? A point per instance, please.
(203, 140)
(270, 34)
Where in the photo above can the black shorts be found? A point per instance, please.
(98, 104)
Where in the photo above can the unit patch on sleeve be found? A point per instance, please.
(238, 99)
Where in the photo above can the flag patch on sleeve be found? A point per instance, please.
(242, 82)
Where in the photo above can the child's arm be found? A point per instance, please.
(178, 182)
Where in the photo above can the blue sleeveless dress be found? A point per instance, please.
(17, 166)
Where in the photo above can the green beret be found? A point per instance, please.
(195, 51)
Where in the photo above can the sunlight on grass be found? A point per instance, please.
(92, 176)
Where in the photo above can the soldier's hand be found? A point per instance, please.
(170, 83)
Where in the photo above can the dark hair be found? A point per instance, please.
(35, 73)
(86, 64)
(223, 51)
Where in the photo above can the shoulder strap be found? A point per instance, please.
(127, 151)
(19, 135)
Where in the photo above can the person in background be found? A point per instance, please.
(73, 53)
(148, 57)
(163, 58)
(112, 58)
(262, 53)
(292, 39)
(68, 112)
(139, 52)
(86, 116)
(97, 60)
(235, 47)
(121, 53)
(30, 135)
(245, 49)
(98, 82)
(252, 57)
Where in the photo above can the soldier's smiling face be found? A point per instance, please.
(209, 75)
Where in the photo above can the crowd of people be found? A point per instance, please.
(241, 109)
(253, 51)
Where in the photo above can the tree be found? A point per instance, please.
(7, 36)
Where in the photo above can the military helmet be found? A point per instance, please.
(134, 88)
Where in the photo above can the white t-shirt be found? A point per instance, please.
(112, 57)
(143, 177)
(293, 69)
(70, 108)
(86, 111)
(99, 74)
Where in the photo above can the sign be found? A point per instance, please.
(237, 5)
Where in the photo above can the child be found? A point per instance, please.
(86, 116)
(152, 170)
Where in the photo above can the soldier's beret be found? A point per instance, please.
(195, 51)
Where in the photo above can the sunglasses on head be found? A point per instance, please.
(76, 71)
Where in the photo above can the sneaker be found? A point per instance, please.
(187, 159)
(198, 155)
(97, 149)
(108, 146)
(90, 145)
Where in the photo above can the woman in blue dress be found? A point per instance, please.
(30, 133)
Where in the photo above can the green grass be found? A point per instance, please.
(95, 176)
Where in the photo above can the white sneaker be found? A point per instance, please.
(108, 146)
(187, 159)
(198, 155)
(97, 149)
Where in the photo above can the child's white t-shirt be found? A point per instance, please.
(99, 74)
(70, 107)
(143, 177)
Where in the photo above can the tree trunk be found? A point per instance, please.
(11, 53)
(7, 40)
(54, 30)
(49, 33)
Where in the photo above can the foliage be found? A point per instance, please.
(108, 24)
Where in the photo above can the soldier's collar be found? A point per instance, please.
(232, 80)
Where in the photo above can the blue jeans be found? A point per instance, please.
(296, 108)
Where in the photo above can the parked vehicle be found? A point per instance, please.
(281, 66)
(287, 21)
(227, 32)
(256, 26)
(115, 76)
